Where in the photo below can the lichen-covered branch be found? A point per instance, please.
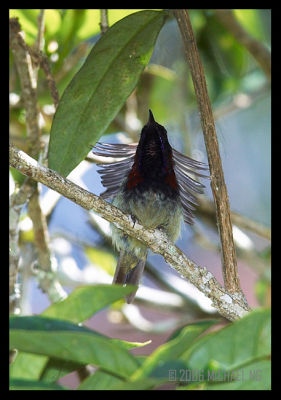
(228, 304)
(28, 77)
(230, 272)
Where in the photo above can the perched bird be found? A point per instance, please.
(152, 183)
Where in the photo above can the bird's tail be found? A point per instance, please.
(129, 270)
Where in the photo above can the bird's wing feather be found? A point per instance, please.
(117, 150)
(184, 167)
(113, 174)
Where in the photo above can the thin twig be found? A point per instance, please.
(47, 271)
(206, 207)
(39, 42)
(230, 272)
(28, 84)
(44, 63)
(258, 50)
(228, 304)
(17, 200)
(103, 21)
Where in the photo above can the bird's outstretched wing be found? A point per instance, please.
(113, 174)
(184, 167)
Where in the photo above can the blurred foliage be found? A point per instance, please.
(102, 258)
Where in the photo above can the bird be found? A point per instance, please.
(156, 185)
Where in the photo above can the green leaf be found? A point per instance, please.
(27, 366)
(23, 384)
(66, 341)
(238, 343)
(100, 88)
(99, 380)
(55, 369)
(254, 376)
(83, 302)
(142, 384)
(171, 350)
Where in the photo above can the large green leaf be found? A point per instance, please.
(99, 380)
(67, 341)
(100, 88)
(254, 376)
(27, 366)
(170, 351)
(239, 343)
(83, 302)
(23, 384)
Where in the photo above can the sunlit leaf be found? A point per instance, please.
(27, 366)
(85, 301)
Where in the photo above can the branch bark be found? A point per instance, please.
(228, 304)
(230, 273)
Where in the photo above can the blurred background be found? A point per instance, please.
(239, 89)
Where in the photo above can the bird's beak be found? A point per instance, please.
(151, 118)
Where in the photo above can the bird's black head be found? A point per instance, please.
(153, 166)
(153, 140)
(154, 150)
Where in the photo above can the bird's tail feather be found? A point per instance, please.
(129, 270)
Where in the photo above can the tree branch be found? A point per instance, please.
(230, 272)
(28, 84)
(28, 77)
(228, 304)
